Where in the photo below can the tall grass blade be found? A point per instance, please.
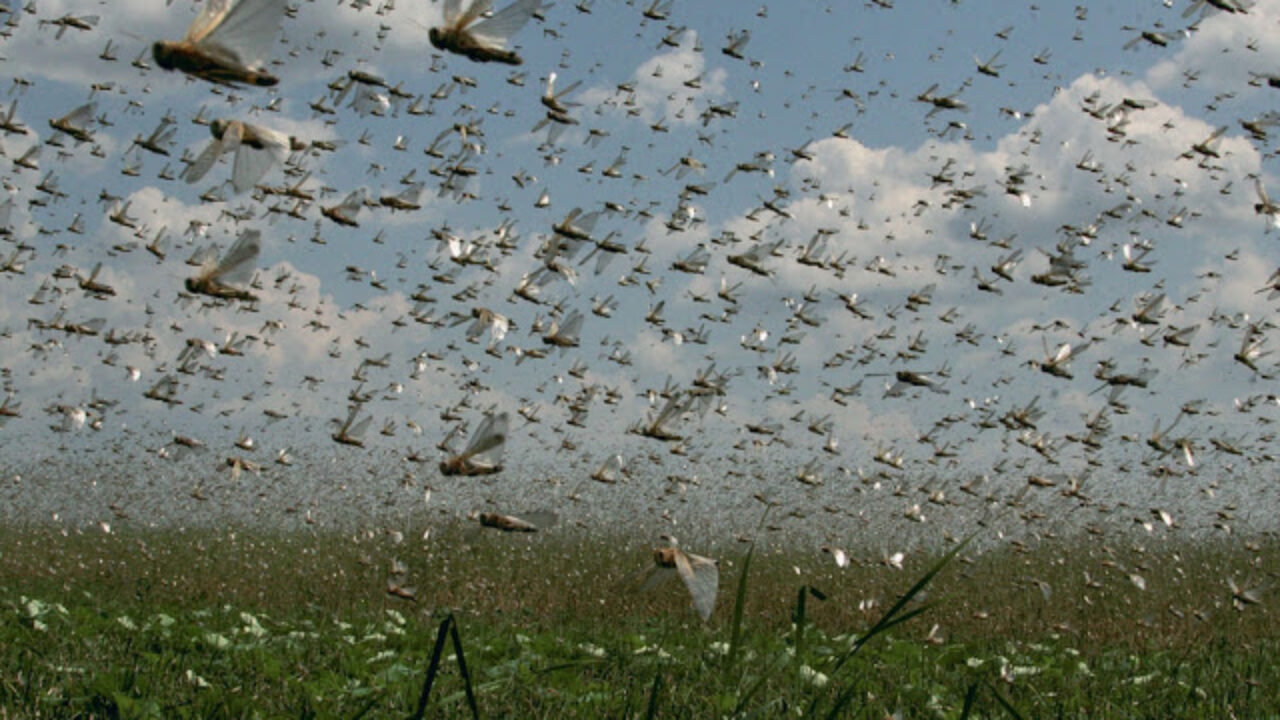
(448, 631)
(739, 607)
(970, 696)
(432, 668)
(462, 668)
(797, 617)
(740, 599)
(893, 616)
(1008, 707)
(652, 712)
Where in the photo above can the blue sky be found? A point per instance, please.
(892, 233)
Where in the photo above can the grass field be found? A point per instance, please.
(250, 624)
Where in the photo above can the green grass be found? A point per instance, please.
(250, 624)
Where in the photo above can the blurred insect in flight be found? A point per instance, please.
(482, 39)
(226, 43)
(257, 150)
(483, 454)
(220, 279)
(701, 575)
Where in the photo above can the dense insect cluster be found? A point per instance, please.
(643, 261)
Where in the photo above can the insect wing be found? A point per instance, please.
(254, 162)
(411, 195)
(572, 326)
(675, 406)
(476, 9)
(498, 28)
(485, 448)
(650, 578)
(245, 31)
(352, 203)
(1063, 353)
(357, 431)
(451, 8)
(212, 14)
(499, 326)
(478, 326)
(552, 98)
(702, 578)
(80, 117)
(610, 470)
(235, 266)
(224, 141)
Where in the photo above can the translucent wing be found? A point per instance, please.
(412, 194)
(236, 266)
(572, 326)
(702, 578)
(451, 8)
(80, 116)
(352, 203)
(212, 14)
(357, 431)
(474, 11)
(610, 469)
(498, 28)
(196, 171)
(164, 138)
(246, 31)
(252, 162)
(486, 445)
(652, 577)
(478, 326)
(95, 325)
(227, 137)
(229, 133)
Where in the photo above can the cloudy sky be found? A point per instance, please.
(877, 164)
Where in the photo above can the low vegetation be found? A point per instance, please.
(250, 624)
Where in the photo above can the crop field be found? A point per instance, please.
(246, 623)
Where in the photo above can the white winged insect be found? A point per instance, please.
(227, 43)
(257, 149)
(351, 432)
(840, 557)
(565, 335)
(344, 213)
(554, 101)
(1265, 206)
(1056, 364)
(610, 471)
(701, 575)
(659, 427)
(221, 279)
(75, 123)
(480, 38)
(483, 454)
(485, 319)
